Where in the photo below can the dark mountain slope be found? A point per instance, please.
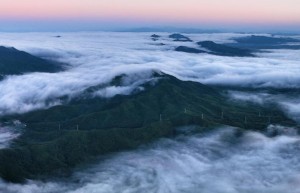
(189, 50)
(180, 38)
(265, 42)
(13, 62)
(155, 37)
(216, 49)
(224, 50)
(57, 139)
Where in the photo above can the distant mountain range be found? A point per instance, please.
(264, 42)
(180, 38)
(170, 30)
(242, 47)
(224, 50)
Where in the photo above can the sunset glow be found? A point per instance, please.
(192, 11)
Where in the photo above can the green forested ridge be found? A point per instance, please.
(51, 144)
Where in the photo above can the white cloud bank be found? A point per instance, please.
(96, 58)
(289, 103)
(217, 162)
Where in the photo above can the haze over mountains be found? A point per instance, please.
(123, 90)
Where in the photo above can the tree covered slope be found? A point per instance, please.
(59, 138)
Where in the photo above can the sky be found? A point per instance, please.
(96, 14)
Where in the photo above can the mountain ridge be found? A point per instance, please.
(57, 139)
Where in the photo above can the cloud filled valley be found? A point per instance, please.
(221, 161)
(225, 160)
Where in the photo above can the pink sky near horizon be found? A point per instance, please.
(190, 11)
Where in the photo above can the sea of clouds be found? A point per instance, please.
(217, 162)
(96, 58)
(222, 161)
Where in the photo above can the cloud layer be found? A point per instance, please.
(218, 162)
(96, 58)
(289, 103)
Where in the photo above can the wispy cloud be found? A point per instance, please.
(7, 134)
